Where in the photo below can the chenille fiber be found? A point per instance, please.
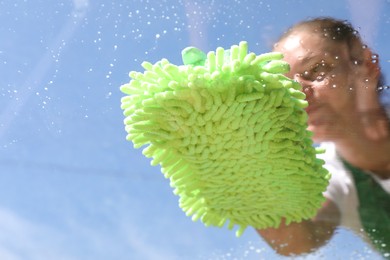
(229, 131)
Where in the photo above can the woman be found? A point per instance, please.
(342, 82)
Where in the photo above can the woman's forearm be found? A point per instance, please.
(306, 236)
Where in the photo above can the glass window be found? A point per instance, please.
(72, 186)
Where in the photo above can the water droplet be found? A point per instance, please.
(320, 77)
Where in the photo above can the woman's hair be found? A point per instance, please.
(335, 30)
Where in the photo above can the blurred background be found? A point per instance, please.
(71, 186)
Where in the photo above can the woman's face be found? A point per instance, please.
(324, 69)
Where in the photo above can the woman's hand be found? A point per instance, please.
(373, 118)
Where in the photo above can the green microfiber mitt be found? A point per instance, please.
(229, 131)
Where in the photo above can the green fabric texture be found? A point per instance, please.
(229, 131)
(374, 209)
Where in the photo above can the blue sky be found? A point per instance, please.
(71, 186)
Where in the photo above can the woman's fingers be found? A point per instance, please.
(373, 118)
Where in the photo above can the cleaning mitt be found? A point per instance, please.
(229, 131)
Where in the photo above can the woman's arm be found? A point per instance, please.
(306, 236)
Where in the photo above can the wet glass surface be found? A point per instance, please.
(71, 186)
